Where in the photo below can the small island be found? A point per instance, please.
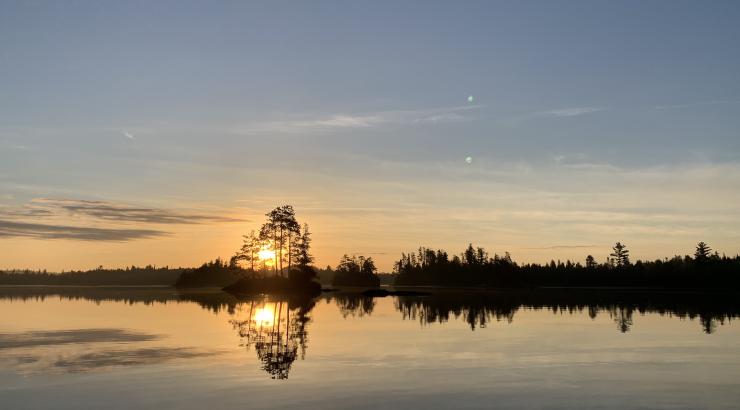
(277, 261)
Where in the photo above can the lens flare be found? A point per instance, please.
(266, 255)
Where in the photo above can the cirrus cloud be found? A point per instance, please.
(86, 220)
(9, 229)
(110, 211)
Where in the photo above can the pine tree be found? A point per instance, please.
(302, 248)
(621, 255)
(590, 262)
(702, 252)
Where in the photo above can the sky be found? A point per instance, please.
(139, 132)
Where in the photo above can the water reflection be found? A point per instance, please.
(85, 350)
(479, 309)
(353, 304)
(213, 300)
(276, 329)
(165, 347)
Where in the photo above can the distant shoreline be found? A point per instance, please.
(426, 288)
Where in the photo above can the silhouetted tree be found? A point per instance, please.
(590, 262)
(703, 251)
(250, 249)
(469, 257)
(427, 267)
(280, 229)
(215, 273)
(620, 255)
(234, 261)
(293, 232)
(356, 271)
(131, 275)
(302, 248)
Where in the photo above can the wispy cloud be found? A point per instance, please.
(338, 121)
(441, 118)
(580, 161)
(568, 112)
(45, 218)
(694, 104)
(103, 210)
(9, 229)
(127, 135)
(358, 121)
(554, 113)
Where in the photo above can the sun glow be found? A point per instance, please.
(264, 316)
(266, 254)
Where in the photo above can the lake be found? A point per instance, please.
(160, 348)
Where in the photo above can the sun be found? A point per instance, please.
(264, 316)
(266, 254)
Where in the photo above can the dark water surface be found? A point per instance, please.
(159, 348)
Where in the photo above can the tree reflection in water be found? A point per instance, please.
(478, 309)
(353, 304)
(276, 329)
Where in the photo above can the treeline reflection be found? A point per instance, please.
(212, 300)
(276, 329)
(477, 309)
(480, 309)
(353, 304)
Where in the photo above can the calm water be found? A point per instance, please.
(118, 348)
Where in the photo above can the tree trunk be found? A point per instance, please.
(290, 252)
(274, 242)
(281, 252)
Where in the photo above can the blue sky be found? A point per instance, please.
(591, 122)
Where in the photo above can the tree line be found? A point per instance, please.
(475, 267)
(356, 271)
(134, 275)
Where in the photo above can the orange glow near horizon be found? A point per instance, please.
(267, 255)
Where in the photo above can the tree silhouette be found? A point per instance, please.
(703, 251)
(356, 271)
(250, 248)
(474, 268)
(302, 248)
(280, 230)
(620, 255)
(590, 262)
